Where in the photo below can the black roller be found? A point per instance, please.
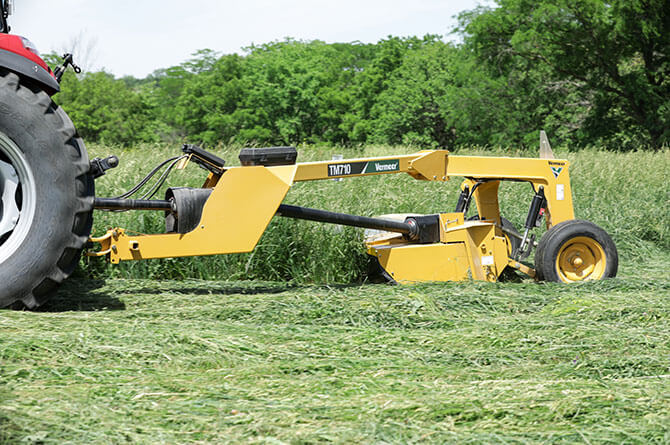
(187, 208)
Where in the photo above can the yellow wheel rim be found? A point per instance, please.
(580, 259)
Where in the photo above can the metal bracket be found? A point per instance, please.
(204, 158)
(522, 268)
(67, 61)
(105, 242)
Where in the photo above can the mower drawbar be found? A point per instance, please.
(423, 229)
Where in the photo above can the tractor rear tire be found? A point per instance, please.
(576, 250)
(46, 194)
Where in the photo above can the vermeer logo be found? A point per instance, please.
(556, 167)
(382, 166)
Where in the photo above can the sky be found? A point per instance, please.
(135, 38)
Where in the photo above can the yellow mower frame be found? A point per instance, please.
(244, 199)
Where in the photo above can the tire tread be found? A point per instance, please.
(553, 239)
(83, 217)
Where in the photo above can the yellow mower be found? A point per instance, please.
(230, 212)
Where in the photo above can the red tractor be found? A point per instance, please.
(46, 188)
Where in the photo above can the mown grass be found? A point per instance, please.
(144, 361)
(120, 360)
(625, 193)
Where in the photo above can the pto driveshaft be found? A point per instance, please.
(409, 227)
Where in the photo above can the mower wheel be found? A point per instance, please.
(576, 250)
(46, 194)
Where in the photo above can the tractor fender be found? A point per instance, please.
(29, 69)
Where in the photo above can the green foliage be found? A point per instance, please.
(411, 108)
(372, 79)
(589, 72)
(609, 59)
(105, 109)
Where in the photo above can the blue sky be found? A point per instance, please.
(137, 37)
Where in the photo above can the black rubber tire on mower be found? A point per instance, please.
(62, 191)
(571, 239)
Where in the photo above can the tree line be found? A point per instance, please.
(589, 72)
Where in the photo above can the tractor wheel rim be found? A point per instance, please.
(580, 259)
(18, 197)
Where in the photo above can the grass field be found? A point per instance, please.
(313, 354)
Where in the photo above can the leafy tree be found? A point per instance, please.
(208, 107)
(411, 109)
(279, 93)
(373, 78)
(612, 56)
(105, 109)
(166, 86)
(298, 91)
(587, 71)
